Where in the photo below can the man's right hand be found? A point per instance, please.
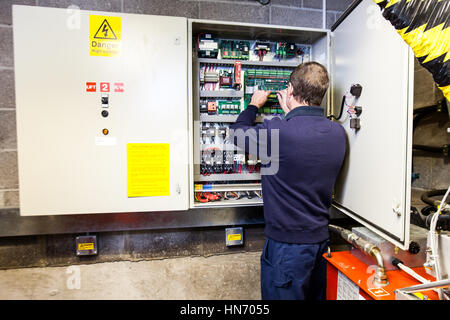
(282, 100)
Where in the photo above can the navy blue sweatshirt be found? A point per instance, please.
(297, 196)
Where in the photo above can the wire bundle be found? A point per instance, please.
(208, 196)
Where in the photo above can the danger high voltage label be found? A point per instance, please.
(104, 36)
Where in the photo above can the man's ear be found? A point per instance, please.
(290, 89)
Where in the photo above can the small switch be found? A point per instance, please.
(356, 90)
(105, 113)
(355, 123)
(105, 101)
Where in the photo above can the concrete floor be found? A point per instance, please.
(231, 276)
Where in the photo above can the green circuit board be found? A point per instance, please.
(273, 79)
(235, 49)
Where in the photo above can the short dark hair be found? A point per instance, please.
(310, 82)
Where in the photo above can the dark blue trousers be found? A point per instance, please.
(292, 271)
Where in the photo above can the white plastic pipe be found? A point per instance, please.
(412, 273)
(434, 242)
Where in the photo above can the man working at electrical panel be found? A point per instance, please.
(301, 156)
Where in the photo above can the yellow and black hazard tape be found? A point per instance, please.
(424, 25)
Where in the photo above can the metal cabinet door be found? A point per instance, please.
(374, 186)
(67, 165)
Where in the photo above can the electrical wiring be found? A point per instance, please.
(251, 194)
(199, 199)
(343, 104)
(235, 195)
(208, 196)
(341, 111)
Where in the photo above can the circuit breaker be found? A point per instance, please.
(132, 113)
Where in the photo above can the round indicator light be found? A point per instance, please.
(105, 131)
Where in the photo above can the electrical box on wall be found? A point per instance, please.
(131, 113)
(100, 127)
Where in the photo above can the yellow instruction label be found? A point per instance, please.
(420, 295)
(148, 169)
(234, 237)
(85, 246)
(105, 35)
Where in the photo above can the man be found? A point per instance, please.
(297, 193)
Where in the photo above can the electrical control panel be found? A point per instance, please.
(229, 64)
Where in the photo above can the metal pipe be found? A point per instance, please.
(368, 248)
(427, 196)
(441, 150)
(428, 286)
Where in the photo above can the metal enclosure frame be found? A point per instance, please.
(319, 39)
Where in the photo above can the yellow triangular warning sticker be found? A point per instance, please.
(105, 32)
(105, 35)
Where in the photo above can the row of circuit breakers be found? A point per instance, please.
(230, 71)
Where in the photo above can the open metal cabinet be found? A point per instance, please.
(68, 165)
(270, 72)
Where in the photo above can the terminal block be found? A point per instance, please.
(229, 106)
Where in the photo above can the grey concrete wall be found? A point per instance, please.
(59, 250)
(56, 250)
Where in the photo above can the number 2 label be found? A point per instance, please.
(104, 86)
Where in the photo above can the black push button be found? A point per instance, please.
(105, 113)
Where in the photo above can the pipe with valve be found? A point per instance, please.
(368, 248)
